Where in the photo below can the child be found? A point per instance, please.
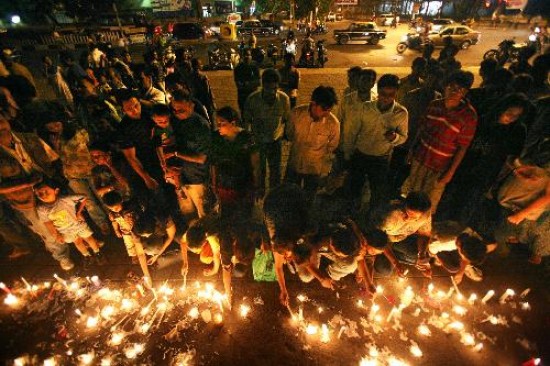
(106, 175)
(123, 217)
(203, 238)
(63, 218)
(458, 249)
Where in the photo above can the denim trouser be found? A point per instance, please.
(270, 155)
(405, 251)
(337, 269)
(373, 168)
(83, 186)
(30, 217)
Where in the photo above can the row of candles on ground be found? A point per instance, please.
(208, 306)
(145, 322)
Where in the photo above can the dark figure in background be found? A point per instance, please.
(247, 79)
(200, 88)
(290, 79)
(500, 134)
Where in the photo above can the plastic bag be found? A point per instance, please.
(263, 266)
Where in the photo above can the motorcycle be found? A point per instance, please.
(258, 53)
(508, 51)
(321, 53)
(219, 59)
(307, 57)
(320, 29)
(288, 46)
(412, 41)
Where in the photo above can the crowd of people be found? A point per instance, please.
(422, 171)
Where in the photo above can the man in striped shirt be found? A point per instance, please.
(443, 137)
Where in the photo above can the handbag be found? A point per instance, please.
(263, 266)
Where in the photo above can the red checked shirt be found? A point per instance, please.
(442, 131)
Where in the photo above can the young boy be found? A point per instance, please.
(203, 238)
(458, 249)
(63, 218)
(123, 216)
(106, 174)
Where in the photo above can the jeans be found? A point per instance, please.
(375, 168)
(270, 156)
(83, 186)
(59, 251)
(406, 252)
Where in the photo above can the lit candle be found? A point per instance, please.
(11, 300)
(525, 306)
(300, 314)
(430, 289)
(27, 285)
(86, 358)
(459, 310)
(194, 313)
(415, 350)
(245, 309)
(424, 330)
(5, 288)
(508, 293)
(373, 310)
(320, 309)
(116, 338)
(61, 281)
(467, 339)
(359, 303)
(488, 296)
(472, 299)
(50, 362)
(368, 362)
(301, 298)
(218, 318)
(391, 314)
(325, 338)
(312, 329)
(107, 311)
(478, 347)
(106, 361)
(95, 281)
(456, 325)
(91, 322)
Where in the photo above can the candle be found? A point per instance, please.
(508, 293)
(91, 322)
(373, 310)
(391, 314)
(320, 309)
(359, 303)
(86, 358)
(472, 299)
(301, 298)
(50, 362)
(325, 338)
(133, 351)
(116, 338)
(341, 331)
(95, 281)
(27, 285)
(106, 361)
(459, 310)
(415, 350)
(194, 313)
(245, 309)
(11, 300)
(430, 289)
(478, 347)
(107, 312)
(312, 329)
(525, 306)
(456, 325)
(5, 288)
(488, 296)
(300, 314)
(61, 281)
(525, 293)
(424, 330)
(467, 339)
(368, 362)
(218, 318)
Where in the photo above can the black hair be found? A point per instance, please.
(522, 83)
(124, 95)
(180, 95)
(488, 67)
(462, 78)
(325, 96)
(196, 64)
(112, 198)
(512, 100)
(354, 70)
(100, 146)
(148, 71)
(270, 76)
(472, 248)
(377, 239)
(47, 182)
(195, 235)
(174, 79)
(501, 78)
(367, 73)
(229, 114)
(146, 224)
(388, 81)
(345, 241)
(418, 201)
(160, 109)
(419, 62)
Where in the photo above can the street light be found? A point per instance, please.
(15, 19)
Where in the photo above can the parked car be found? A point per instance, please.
(360, 31)
(463, 36)
(275, 27)
(189, 30)
(256, 27)
(332, 16)
(438, 24)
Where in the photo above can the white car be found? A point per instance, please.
(385, 19)
(438, 24)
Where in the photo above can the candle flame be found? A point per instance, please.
(116, 338)
(415, 350)
(368, 362)
(91, 322)
(459, 310)
(50, 362)
(424, 330)
(301, 298)
(245, 309)
(11, 300)
(325, 338)
(194, 313)
(312, 329)
(86, 358)
(467, 339)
